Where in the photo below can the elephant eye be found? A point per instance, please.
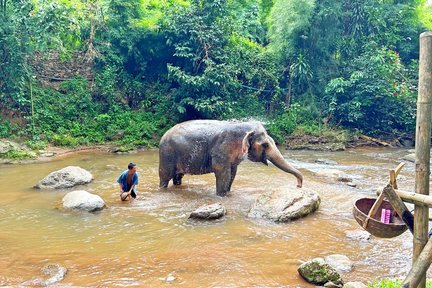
(265, 144)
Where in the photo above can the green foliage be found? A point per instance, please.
(376, 95)
(36, 144)
(8, 129)
(391, 283)
(17, 155)
(199, 35)
(161, 62)
(284, 125)
(288, 21)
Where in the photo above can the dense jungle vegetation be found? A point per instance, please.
(301, 66)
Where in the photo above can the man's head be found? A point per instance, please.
(132, 166)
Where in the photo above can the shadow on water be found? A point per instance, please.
(150, 242)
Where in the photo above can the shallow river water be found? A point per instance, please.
(149, 242)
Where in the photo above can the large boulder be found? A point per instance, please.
(284, 206)
(317, 271)
(209, 212)
(83, 200)
(65, 178)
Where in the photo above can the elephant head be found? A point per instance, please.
(262, 148)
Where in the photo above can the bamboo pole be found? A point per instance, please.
(413, 198)
(422, 159)
(419, 267)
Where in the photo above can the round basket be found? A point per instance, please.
(375, 226)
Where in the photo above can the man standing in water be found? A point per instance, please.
(128, 181)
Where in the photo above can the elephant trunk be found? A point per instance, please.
(274, 156)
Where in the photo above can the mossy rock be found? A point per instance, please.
(318, 272)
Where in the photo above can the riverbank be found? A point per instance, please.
(15, 152)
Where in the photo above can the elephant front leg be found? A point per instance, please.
(223, 180)
(233, 174)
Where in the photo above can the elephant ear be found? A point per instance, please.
(246, 141)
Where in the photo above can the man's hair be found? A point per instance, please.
(131, 165)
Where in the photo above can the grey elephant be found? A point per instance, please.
(206, 146)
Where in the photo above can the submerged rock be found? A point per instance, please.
(326, 162)
(317, 271)
(354, 285)
(55, 272)
(409, 157)
(65, 178)
(83, 200)
(334, 174)
(359, 235)
(339, 262)
(208, 212)
(284, 206)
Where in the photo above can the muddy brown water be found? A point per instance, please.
(149, 242)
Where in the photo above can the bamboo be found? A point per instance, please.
(422, 159)
(398, 205)
(368, 138)
(417, 199)
(419, 267)
(374, 209)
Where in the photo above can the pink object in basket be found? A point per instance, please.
(385, 216)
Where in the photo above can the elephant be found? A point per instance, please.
(210, 146)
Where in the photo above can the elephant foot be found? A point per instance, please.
(177, 180)
(163, 184)
(221, 193)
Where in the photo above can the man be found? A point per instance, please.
(128, 181)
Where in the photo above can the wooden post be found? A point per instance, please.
(399, 206)
(420, 267)
(422, 155)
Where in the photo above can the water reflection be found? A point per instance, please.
(150, 242)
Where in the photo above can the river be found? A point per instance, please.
(150, 242)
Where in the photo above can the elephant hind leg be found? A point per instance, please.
(177, 180)
(164, 178)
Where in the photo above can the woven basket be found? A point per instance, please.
(374, 225)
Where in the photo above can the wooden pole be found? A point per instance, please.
(399, 206)
(420, 267)
(423, 134)
(417, 199)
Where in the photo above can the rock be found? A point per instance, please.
(170, 278)
(332, 285)
(352, 184)
(48, 154)
(326, 161)
(6, 146)
(283, 206)
(318, 272)
(55, 272)
(65, 178)
(339, 262)
(334, 174)
(208, 212)
(355, 285)
(360, 235)
(409, 157)
(83, 200)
